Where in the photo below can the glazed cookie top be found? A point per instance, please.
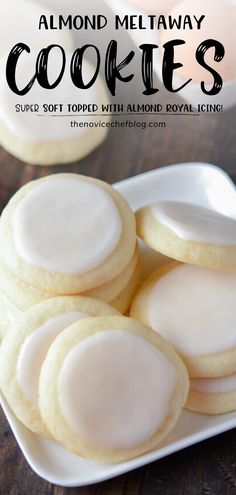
(80, 229)
(70, 232)
(104, 377)
(181, 301)
(38, 126)
(144, 399)
(195, 223)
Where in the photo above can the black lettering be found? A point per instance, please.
(112, 70)
(199, 21)
(121, 22)
(65, 22)
(147, 68)
(169, 66)
(12, 61)
(77, 64)
(219, 55)
(43, 22)
(42, 67)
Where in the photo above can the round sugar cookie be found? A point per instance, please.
(52, 132)
(189, 233)
(100, 391)
(212, 395)
(67, 233)
(25, 296)
(25, 346)
(193, 308)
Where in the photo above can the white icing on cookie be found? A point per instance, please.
(220, 385)
(66, 225)
(194, 223)
(194, 308)
(115, 389)
(39, 126)
(34, 350)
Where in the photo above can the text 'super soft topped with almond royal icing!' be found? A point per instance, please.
(43, 135)
(101, 409)
(67, 233)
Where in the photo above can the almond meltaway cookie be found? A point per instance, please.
(44, 135)
(194, 308)
(111, 388)
(212, 395)
(67, 234)
(26, 344)
(189, 233)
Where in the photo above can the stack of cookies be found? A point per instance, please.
(71, 367)
(67, 234)
(73, 370)
(191, 302)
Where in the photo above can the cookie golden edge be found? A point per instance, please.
(25, 296)
(50, 404)
(19, 293)
(46, 281)
(162, 239)
(205, 366)
(111, 290)
(211, 404)
(123, 301)
(30, 320)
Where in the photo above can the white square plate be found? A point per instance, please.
(49, 459)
